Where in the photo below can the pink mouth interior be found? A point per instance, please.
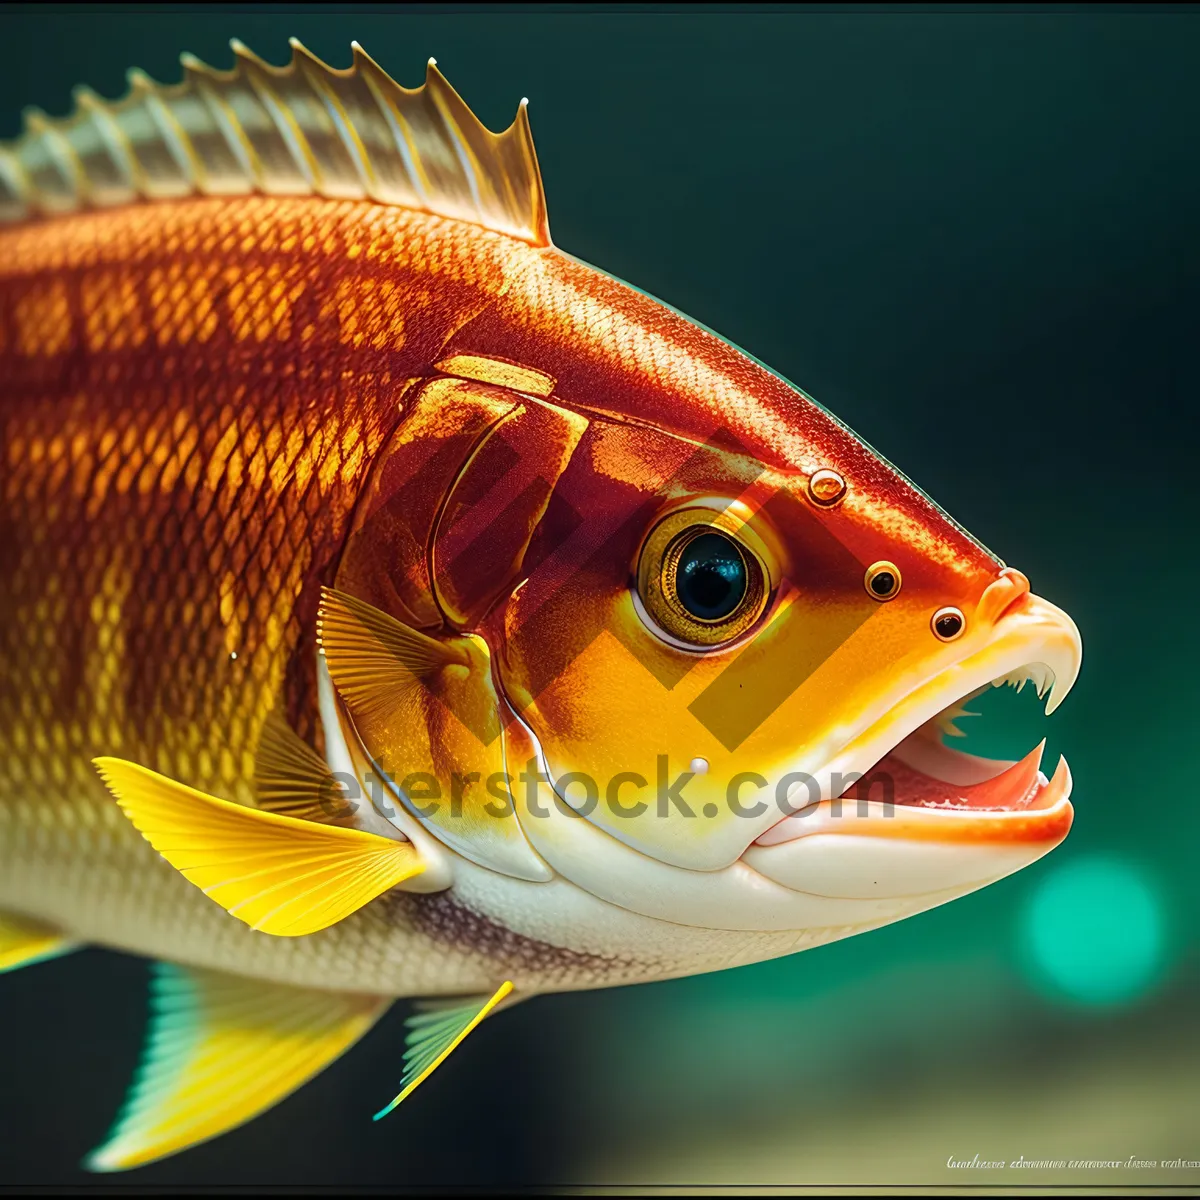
(923, 773)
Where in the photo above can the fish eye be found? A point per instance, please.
(698, 582)
(710, 577)
(882, 580)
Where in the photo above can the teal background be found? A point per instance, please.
(973, 235)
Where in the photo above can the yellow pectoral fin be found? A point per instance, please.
(220, 1050)
(372, 657)
(24, 942)
(278, 874)
(433, 1035)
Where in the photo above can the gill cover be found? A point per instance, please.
(440, 542)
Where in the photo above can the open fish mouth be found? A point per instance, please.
(925, 772)
(905, 784)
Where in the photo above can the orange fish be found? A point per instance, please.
(394, 605)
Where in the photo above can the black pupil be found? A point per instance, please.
(710, 577)
(949, 625)
(883, 584)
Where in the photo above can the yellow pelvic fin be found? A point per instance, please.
(434, 1034)
(24, 942)
(291, 778)
(303, 129)
(372, 658)
(220, 1050)
(278, 874)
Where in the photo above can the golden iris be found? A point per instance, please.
(698, 582)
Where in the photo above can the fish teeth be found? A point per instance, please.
(945, 719)
(1053, 699)
(1046, 682)
(1039, 674)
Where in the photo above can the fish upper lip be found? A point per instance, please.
(1033, 640)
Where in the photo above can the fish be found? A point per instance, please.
(397, 606)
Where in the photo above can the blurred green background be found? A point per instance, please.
(971, 234)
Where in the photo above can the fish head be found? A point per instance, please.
(733, 650)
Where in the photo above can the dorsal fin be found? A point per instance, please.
(303, 129)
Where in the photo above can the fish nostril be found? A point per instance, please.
(948, 623)
(882, 580)
(826, 487)
(1001, 594)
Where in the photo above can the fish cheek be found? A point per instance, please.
(611, 706)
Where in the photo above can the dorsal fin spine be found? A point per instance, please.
(289, 130)
(262, 76)
(16, 190)
(174, 136)
(120, 151)
(457, 140)
(62, 155)
(310, 67)
(377, 81)
(227, 125)
(298, 129)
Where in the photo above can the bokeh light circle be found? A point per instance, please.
(1093, 932)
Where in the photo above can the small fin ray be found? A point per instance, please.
(278, 874)
(291, 778)
(434, 1033)
(219, 1050)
